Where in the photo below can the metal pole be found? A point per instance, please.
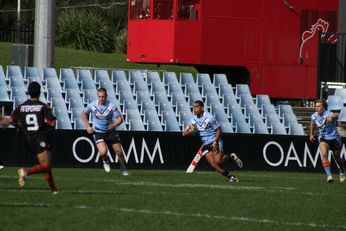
(18, 24)
(44, 33)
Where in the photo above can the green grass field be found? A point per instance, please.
(90, 199)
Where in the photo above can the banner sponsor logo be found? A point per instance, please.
(138, 151)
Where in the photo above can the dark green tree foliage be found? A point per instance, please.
(85, 30)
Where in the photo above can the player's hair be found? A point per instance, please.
(102, 89)
(323, 102)
(199, 102)
(34, 89)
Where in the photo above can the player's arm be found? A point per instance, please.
(332, 116)
(312, 130)
(187, 131)
(86, 122)
(215, 144)
(50, 119)
(5, 121)
(118, 120)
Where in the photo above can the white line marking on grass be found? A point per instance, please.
(171, 213)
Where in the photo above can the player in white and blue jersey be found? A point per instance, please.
(209, 131)
(328, 137)
(103, 128)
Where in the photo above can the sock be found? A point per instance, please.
(326, 166)
(50, 180)
(122, 167)
(226, 173)
(39, 168)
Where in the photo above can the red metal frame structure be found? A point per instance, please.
(270, 44)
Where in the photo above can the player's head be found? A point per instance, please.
(321, 105)
(34, 89)
(198, 108)
(102, 95)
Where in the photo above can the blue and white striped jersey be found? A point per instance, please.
(327, 130)
(102, 115)
(206, 127)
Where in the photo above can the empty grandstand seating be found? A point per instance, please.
(149, 103)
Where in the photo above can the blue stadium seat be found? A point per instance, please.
(18, 100)
(182, 106)
(13, 70)
(79, 124)
(132, 114)
(60, 112)
(125, 95)
(211, 99)
(154, 125)
(70, 83)
(285, 109)
(153, 76)
(242, 127)
(160, 97)
(220, 114)
(53, 83)
(173, 88)
(122, 85)
(289, 118)
(75, 103)
(185, 117)
(76, 113)
(342, 116)
(49, 73)
(122, 127)
(129, 104)
(246, 99)
(101, 75)
(66, 73)
(226, 89)
(229, 99)
(186, 78)
(142, 96)
(63, 123)
(254, 119)
(262, 100)
(2, 73)
(202, 79)
(140, 86)
(169, 77)
(118, 75)
(268, 109)
(178, 97)
(88, 84)
(71, 93)
(296, 130)
(335, 103)
(168, 115)
(260, 129)
(236, 114)
(226, 127)
(209, 89)
(135, 76)
(3, 94)
(53, 93)
(272, 118)
(16, 81)
(147, 105)
(89, 95)
(157, 87)
(136, 125)
(165, 106)
(150, 114)
(194, 97)
(58, 103)
(278, 128)
(342, 93)
(31, 72)
(83, 74)
(191, 88)
(242, 89)
(172, 126)
(220, 79)
(18, 91)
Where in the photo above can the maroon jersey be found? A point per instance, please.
(33, 116)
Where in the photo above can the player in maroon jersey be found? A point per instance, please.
(35, 119)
